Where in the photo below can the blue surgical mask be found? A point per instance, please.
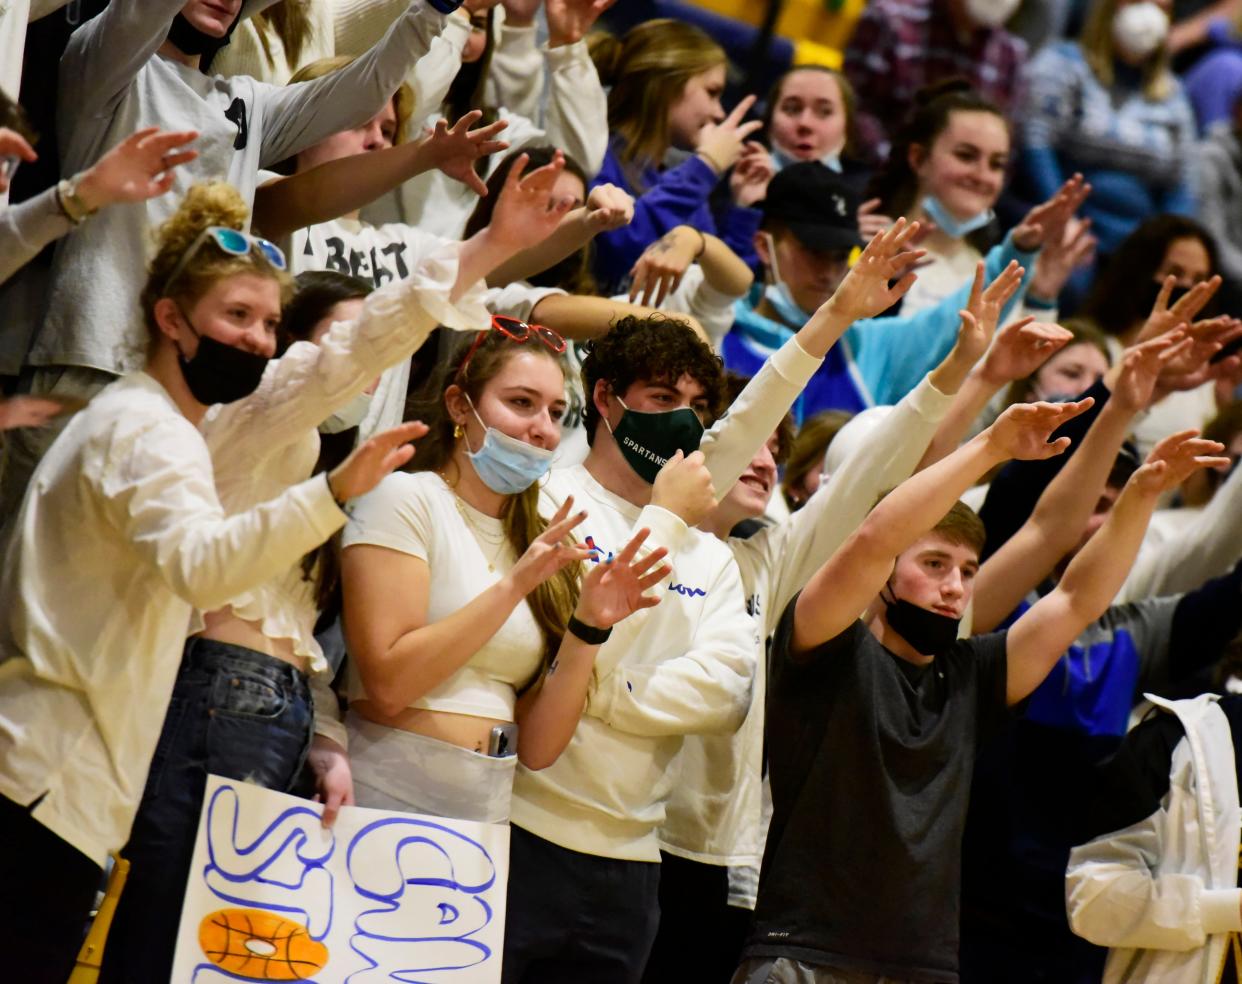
(951, 226)
(786, 307)
(779, 296)
(506, 465)
(783, 160)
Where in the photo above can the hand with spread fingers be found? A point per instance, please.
(1022, 431)
(881, 277)
(1174, 459)
(552, 550)
(1060, 257)
(1165, 317)
(1021, 348)
(526, 211)
(616, 588)
(373, 459)
(569, 21)
(138, 168)
(455, 149)
(1046, 222)
(659, 270)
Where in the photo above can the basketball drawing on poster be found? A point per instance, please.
(382, 896)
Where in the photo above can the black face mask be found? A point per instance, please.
(220, 373)
(1152, 290)
(930, 633)
(189, 39)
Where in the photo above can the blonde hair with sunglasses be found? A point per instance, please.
(215, 203)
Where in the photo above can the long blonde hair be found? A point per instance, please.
(1097, 48)
(648, 70)
(214, 203)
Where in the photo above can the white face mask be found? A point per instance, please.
(350, 415)
(1139, 29)
(991, 13)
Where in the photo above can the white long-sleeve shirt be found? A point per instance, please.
(267, 442)
(576, 121)
(684, 667)
(714, 813)
(120, 536)
(112, 82)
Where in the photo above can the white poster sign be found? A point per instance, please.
(381, 897)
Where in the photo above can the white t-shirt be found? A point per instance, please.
(467, 552)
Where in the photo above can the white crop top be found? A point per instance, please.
(419, 515)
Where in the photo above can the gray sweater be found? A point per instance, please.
(1220, 195)
(112, 83)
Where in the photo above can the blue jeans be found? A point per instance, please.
(234, 713)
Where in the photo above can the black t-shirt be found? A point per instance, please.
(870, 761)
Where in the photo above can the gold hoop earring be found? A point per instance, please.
(458, 432)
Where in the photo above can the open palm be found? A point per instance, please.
(1173, 460)
(1023, 430)
(455, 149)
(869, 288)
(616, 588)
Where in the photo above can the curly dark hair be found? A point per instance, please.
(654, 348)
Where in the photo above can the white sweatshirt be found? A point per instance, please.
(120, 536)
(684, 667)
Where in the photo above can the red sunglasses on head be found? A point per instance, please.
(516, 331)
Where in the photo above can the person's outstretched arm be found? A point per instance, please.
(840, 590)
(138, 168)
(298, 116)
(335, 188)
(1040, 637)
(1056, 525)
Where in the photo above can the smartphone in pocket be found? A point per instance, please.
(503, 741)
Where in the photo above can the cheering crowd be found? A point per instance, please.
(805, 511)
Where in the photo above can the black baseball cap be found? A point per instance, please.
(815, 205)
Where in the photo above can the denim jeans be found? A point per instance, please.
(234, 713)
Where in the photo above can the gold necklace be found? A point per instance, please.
(481, 535)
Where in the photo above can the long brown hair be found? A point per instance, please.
(553, 602)
(648, 70)
(1096, 43)
(290, 21)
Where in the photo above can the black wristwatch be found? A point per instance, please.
(588, 633)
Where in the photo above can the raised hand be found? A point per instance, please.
(1021, 348)
(684, 487)
(552, 550)
(526, 212)
(868, 288)
(455, 149)
(371, 460)
(138, 168)
(1061, 257)
(1133, 380)
(659, 270)
(520, 13)
(1174, 459)
(985, 304)
(748, 182)
(1023, 430)
(1197, 363)
(609, 207)
(1164, 318)
(1046, 222)
(570, 20)
(616, 588)
(721, 144)
(870, 221)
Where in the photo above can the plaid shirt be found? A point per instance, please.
(899, 46)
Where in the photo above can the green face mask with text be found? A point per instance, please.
(648, 440)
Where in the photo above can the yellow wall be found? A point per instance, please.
(826, 24)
